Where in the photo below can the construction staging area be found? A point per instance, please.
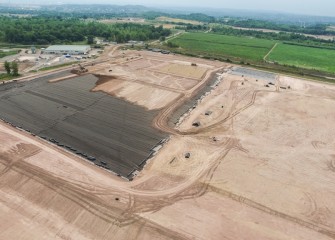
(258, 164)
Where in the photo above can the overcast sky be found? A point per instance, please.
(314, 7)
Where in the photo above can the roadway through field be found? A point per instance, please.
(274, 46)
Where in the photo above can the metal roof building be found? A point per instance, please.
(68, 49)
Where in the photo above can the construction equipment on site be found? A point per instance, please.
(82, 69)
(208, 113)
(196, 124)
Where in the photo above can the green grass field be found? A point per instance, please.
(304, 57)
(6, 77)
(222, 46)
(253, 50)
(5, 53)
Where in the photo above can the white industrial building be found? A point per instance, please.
(68, 49)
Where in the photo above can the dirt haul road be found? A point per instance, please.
(261, 166)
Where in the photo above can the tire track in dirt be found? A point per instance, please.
(163, 126)
(88, 198)
(161, 120)
(195, 189)
(145, 201)
(273, 212)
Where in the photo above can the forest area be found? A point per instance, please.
(56, 30)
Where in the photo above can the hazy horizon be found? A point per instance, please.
(308, 7)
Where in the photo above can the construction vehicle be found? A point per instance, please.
(82, 69)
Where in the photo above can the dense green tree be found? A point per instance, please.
(7, 67)
(162, 39)
(90, 39)
(51, 30)
(15, 69)
(172, 45)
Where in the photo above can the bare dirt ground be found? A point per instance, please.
(151, 80)
(123, 20)
(184, 70)
(178, 20)
(261, 166)
(138, 93)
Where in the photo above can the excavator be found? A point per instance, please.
(82, 69)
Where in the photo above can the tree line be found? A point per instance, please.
(281, 36)
(56, 30)
(315, 29)
(12, 68)
(192, 27)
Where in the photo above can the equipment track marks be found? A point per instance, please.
(273, 212)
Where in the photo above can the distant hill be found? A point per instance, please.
(200, 14)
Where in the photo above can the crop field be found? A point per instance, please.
(214, 45)
(304, 57)
(253, 50)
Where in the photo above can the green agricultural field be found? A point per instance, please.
(222, 46)
(304, 57)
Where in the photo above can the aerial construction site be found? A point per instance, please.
(144, 145)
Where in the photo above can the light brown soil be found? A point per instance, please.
(269, 175)
(123, 20)
(187, 71)
(178, 20)
(149, 79)
(150, 97)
